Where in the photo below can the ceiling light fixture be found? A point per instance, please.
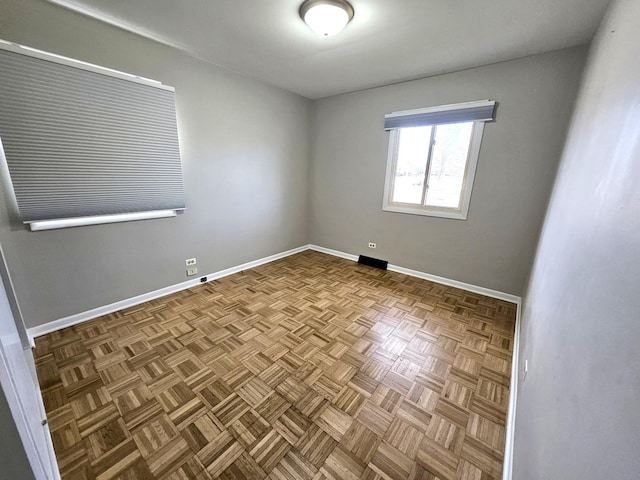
(326, 17)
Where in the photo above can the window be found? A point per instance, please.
(432, 159)
(84, 144)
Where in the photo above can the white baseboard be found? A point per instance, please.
(427, 276)
(335, 253)
(513, 391)
(507, 468)
(81, 317)
(455, 283)
(130, 302)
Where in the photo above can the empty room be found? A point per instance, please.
(319, 239)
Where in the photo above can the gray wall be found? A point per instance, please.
(246, 167)
(578, 412)
(520, 152)
(13, 459)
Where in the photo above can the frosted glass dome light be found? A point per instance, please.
(326, 17)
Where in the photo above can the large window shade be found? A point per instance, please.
(480, 111)
(83, 141)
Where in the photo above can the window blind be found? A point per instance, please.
(83, 141)
(480, 111)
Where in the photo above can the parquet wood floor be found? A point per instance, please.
(307, 367)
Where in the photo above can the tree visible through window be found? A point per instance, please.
(432, 176)
(431, 167)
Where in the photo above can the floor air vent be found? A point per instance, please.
(373, 262)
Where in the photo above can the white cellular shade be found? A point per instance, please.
(80, 143)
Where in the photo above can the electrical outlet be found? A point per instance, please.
(192, 271)
(372, 245)
(190, 261)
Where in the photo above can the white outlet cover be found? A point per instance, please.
(190, 261)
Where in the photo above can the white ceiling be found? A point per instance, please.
(387, 41)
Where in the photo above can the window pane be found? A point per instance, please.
(448, 165)
(413, 149)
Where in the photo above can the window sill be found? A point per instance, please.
(452, 214)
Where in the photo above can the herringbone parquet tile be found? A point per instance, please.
(308, 367)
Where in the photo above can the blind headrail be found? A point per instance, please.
(70, 62)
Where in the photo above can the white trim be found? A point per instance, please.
(14, 306)
(513, 388)
(335, 253)
(454, 214)
(442, 108)
(511, 417)
(18, 380)
(19, 416)
(394, 138)
(70, 62)
(81, 317)
(457, 284)
(459, 213)
(477, 133)
(510, 429)
(427, 276)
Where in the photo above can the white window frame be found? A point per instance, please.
(475, 142)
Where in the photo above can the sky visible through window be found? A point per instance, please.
(447, 168)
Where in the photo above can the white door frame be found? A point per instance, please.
(17, 368)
